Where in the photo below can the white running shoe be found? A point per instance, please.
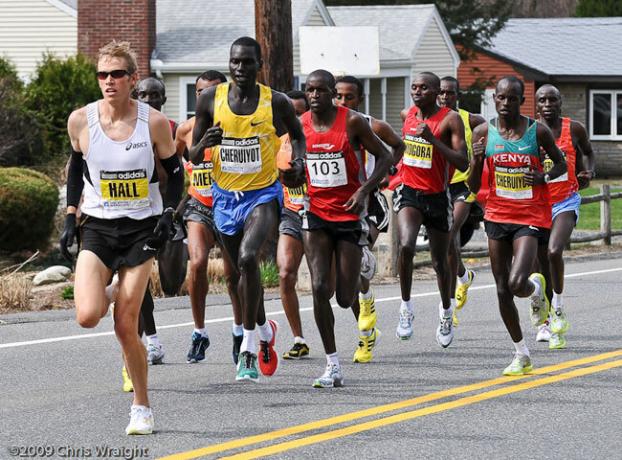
(544, 333)
(404, 329)
(155, 354)
(445, 331)
(332, 377)
(539, 303)
(368, 263)
(141, 421)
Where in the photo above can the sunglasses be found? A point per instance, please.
(116, 74)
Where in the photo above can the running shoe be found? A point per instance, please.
(237, 343)
(445, 331)
(332, 377)
(367, 315)
(298, 351)
(557, 342)
(404, 329)
(200, 343)
(363, 353)
(268, 359)
(141, 421)
(540, 304)
(544, 333)
(128, 386)
(559, 323)
(462, 290)
(368, 263)
(155, 354)
(520, 365)
(247, 367)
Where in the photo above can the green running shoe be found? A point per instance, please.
(557, 342)
(247, 367)
(559, 323)
(520, 365)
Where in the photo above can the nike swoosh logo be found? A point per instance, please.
(524, 147)
(256, 123)
(534, 228)
(146, 247)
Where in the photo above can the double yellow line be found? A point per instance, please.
(514, 385)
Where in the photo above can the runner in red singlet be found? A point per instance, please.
(517, 210)
(435, 145)
(572, 139)
(337, 191)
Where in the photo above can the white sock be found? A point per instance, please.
(153, 340)
(249, 342)
(521, 348)
(143, 408)
(446, 313)
(332, 359)
(265, 331)
(237, 329)
(557, 301)
(464, 278)
(536, 287)
(202, 331)
(299, 339)
(408, 305)
(366, 295)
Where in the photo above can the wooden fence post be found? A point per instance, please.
(605, 214)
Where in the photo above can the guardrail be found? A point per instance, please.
(606, 232)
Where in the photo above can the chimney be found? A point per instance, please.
(101, 21)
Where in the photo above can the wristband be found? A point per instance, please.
(547, 178)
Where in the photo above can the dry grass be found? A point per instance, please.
(215, 276)
(15, 292)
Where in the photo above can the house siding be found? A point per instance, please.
(171, 108)
(395, 102)
(30, 28)
(433, 54)
(486, 67)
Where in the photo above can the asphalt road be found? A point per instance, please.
(61, 386)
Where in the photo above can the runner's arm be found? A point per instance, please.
(165, 150)
(204, 134)
(547, 142)
(295, 175)
(386, 134)
(184, 130)
(584, 148)
(475, 120)
(480, 137)
(359, 128)
(457, 154)
(75, 182)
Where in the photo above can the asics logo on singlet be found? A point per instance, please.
(323, 146)
(136, 145)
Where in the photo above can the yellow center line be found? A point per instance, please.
(374, 424)
(377, 410)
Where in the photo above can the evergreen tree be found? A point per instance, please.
(598, 8)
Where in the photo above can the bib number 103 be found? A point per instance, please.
(326, 173)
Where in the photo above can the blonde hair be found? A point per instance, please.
(120, 50)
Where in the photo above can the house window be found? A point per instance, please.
(191, 100)
(606, 115)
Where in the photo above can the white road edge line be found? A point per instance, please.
(274, 313)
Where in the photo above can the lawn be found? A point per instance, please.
(590, 213)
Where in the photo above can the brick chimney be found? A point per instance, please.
(101, 21)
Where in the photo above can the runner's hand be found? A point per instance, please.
(68, 236)
(479, 150)
(212, 137)
(422, 130)
(163, 230)
(584, 177)
(295, 175)
(534, 177)
(356, 203)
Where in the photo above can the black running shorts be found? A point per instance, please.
(354, 231)
(511, 232)
(291, 224)
(436, 209)
(378, 211)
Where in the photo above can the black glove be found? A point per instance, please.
(163, 231)
(68, 236)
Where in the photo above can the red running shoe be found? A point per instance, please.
(268, 357)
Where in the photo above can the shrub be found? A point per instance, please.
(21, 141)
(58, 88)
(15, 291)
(28, 202)
(269, 274)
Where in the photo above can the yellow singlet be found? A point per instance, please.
(460, 176)
(246, 159)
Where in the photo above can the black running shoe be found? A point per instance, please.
(197, 348)
(299, 350)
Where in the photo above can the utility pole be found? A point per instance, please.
(273, 31)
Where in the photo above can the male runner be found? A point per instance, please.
(517, 209)
(124, 222)
(461, 197)
(571, 138)
(198, 217)
(289, 250)
(434, 138)
(350, 94)
(337, 195)
(243, 120)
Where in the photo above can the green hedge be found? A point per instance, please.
(28, 203)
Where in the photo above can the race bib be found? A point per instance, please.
(202, 178)
(240, 156)
(297, 195)
(327, 170)
(510, 183)
(124, 189)
(418, 152)
(548, 165)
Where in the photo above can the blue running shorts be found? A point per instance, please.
(571, 203)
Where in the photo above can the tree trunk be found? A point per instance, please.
(273, 31)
